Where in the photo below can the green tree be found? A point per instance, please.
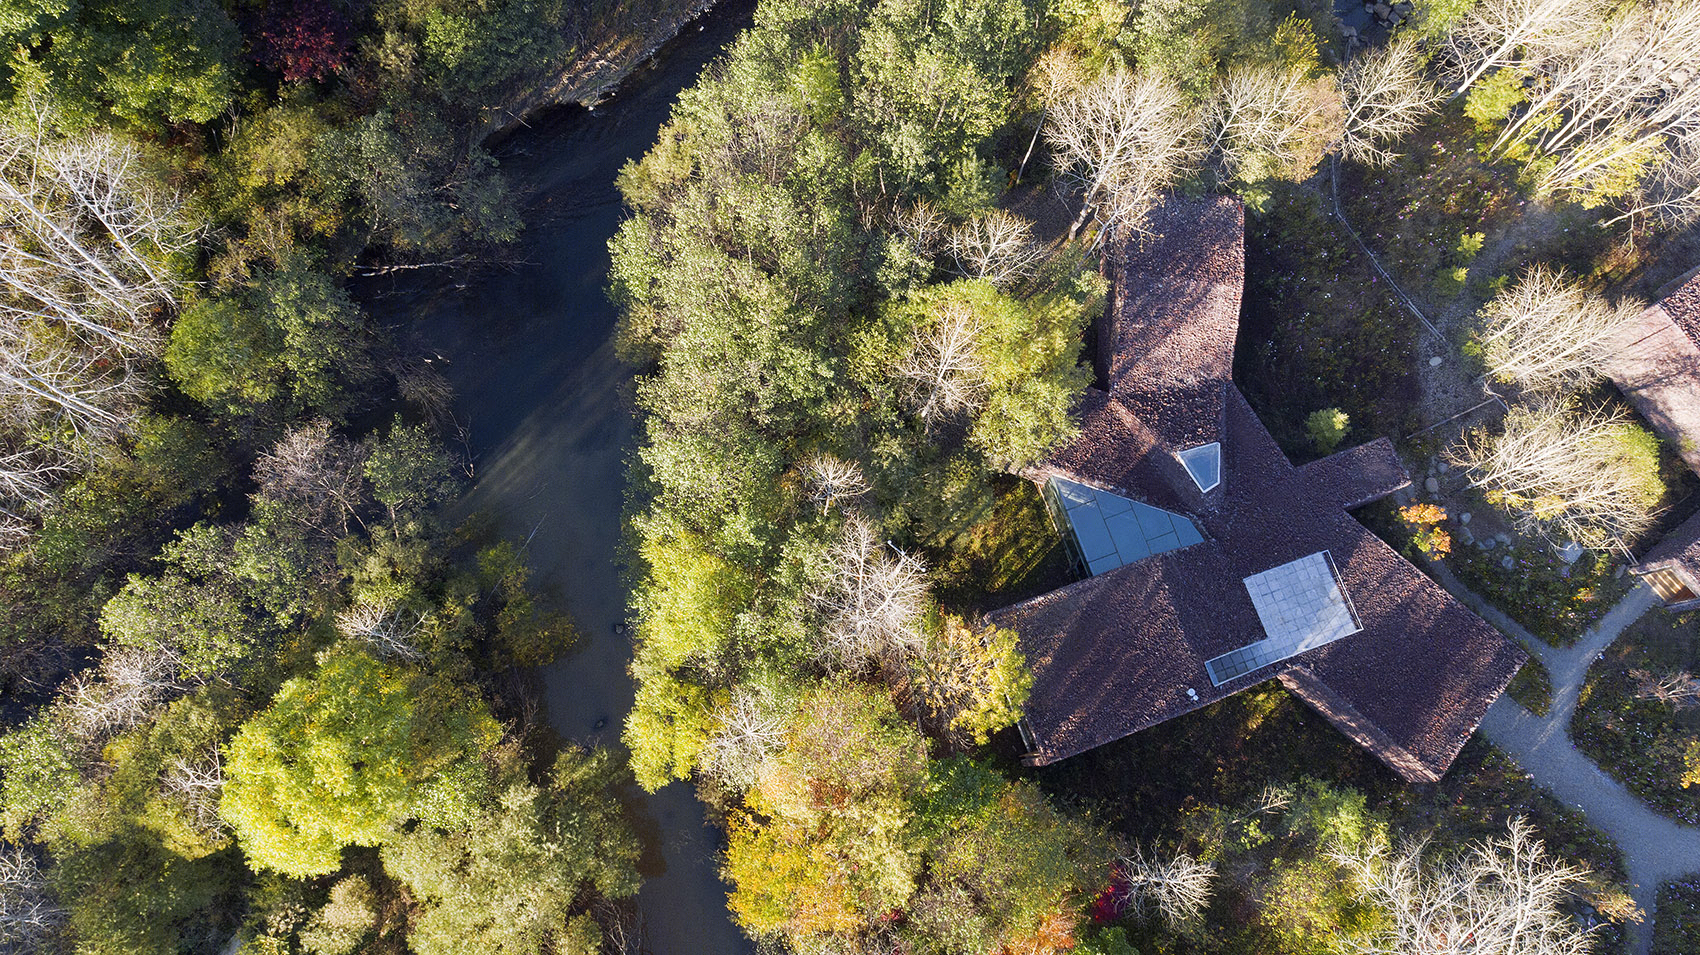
(294, 331)
(196, 609)
(511, 880)
(1327, 427)
(140, 60)
(411, 473)
(336, 758)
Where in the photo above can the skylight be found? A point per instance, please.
(1204, 464)
(1301, 607)
(1110, 530)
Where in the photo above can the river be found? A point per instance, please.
(547, 408)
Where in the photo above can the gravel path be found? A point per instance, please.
(1655, 848)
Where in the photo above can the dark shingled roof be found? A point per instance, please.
(1119, 652)
(1656, 364)
(1683, 307)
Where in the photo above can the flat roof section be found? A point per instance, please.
(1301, 607)
(1111, 530)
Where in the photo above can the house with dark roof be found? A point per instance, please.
(1657, 367)
(1213, 562)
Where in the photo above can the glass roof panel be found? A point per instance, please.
(1204, 464)
(1111, 530)
(1301, 606)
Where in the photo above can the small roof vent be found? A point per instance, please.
(1203, 464)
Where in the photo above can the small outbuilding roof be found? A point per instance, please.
(1398, 665)
(1656, 365)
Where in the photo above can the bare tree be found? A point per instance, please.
(1265, 121)
(1124, 138)
(196, 785)
(874, 598)
(996, 246)
(1176, 888)
(1546, 332)
(29, 917)
(943, 369)
(1681, 689)
(1606, 114)
(1387, 95)
(130, 684)
(1669, 193)
(1561, 475)
(84, 246)
(316, 477)
(924, 226)
(832, 479)
(749, 730)
(1503, 896)
(391, 630)
(1504, 33)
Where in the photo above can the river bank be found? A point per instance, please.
(606, 58)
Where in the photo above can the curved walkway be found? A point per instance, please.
(1655, 848)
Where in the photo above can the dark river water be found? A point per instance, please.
(548, 410)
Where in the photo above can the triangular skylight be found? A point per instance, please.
(1204, 464)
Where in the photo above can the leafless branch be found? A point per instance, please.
(996, 246)
(1263, 121)
(1176, 888)
(29, 917)
(873, 600)
(831, 480)
(1559, 474)
(1123, 138)
(1387, 95)
(1547, 333)
(390, 630)
(1681, 689)
(1504, 895)
(944, 370)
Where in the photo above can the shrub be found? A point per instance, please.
(1327, 428)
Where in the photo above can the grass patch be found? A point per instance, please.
(1677, 930)
(1426, 212)
(1644, 743)
(1532, 687)
(1014, 554)
(1319, 329)
(1534, 590)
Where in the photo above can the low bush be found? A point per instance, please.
(1534, 590)
(1677, 930)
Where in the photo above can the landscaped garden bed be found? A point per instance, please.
(1532, 687)
(1320, 329)
(1648, 744)
(1677, 930)
(1226, 753)
(1536, 591)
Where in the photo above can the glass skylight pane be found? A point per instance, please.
(1110, 530)
(1301, 607)
(1204, 464)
